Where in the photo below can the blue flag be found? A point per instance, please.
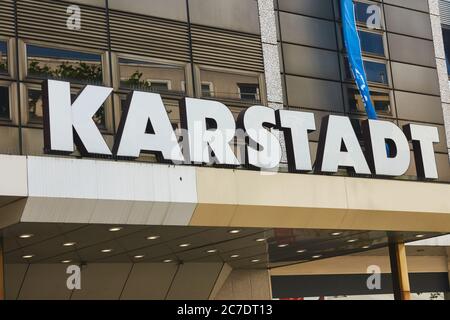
(353, 46)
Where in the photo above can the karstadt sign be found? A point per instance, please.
(210, 131)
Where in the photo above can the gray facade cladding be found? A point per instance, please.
(402, 51)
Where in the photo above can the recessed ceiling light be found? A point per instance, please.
(352, 240)
(301, 251)
(255, 260)
(69, 244)
(153, 237)
(234, 256)
(335, 234)
(139, 256)
(26, 236)
(115, 229)
(107, 250)
(236, 231)
(317, 256)
(420, 236)
(283, 245)
(184, 245)
(212, 251)
(66, 261)
(260, 240)
(168, 261)
(28, 256)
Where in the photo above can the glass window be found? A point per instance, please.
(160, 85)
(376, 71)
(3, 57)
(372, 43)
(74, 66)
(35, 107)
(224, 85)
(249, 92)
(152, 76)
(380, 100)
(446, 36)
(207, 89)
(4, 103)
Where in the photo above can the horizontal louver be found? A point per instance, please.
(147, 36)
(7, 17)
(47, 21)
(228, 49)
(444, 6)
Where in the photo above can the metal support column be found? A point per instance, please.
(399, 271)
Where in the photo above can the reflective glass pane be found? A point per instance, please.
(376, 72)
(35, 106)
(4, 103)
(151, 76)
(207, 89)
(249, 92)
(446, 36)
(230, 86)
(3, 57)
(67, 65)
(372, 43)
(380, 100)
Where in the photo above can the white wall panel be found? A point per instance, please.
(13, 173)
(110, 180)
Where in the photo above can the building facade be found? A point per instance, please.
(141, 229)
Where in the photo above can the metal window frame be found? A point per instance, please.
(28, 82)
